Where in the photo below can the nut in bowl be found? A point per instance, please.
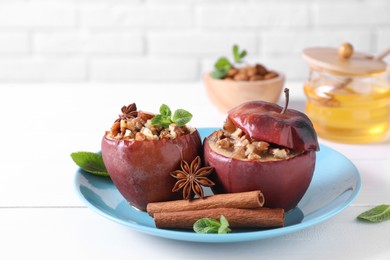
(231, 84)
(226, 94)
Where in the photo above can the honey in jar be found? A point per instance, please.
(347, 96)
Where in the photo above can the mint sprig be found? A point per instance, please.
(377, 214)
(212, 226)
(90, 162)
(223, 65)
(238, 56)
(165, 118)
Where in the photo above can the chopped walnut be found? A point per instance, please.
(140, 136)
(239, 152)
(220, 134)
(237, 133)
(175, 130)
(250, 149)
(115, 129)
(164, 134)
(241, 146)
(280, 153)
(261, 146)
(224, 143)
(137, 125)
(229, 126)
(148, 134)
(254, 156)
(123, 125)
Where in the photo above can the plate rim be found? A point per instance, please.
(231, 237)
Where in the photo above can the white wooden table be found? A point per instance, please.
(41, 216)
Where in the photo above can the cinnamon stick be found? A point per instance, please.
(242, 200)
(237, 218)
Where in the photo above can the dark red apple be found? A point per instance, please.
(141, 169)
(282, 181)
(264, 121)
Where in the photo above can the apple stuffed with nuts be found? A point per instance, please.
(142, 149)
(266, 147)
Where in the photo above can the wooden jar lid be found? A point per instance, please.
(343, 60)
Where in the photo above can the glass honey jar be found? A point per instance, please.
(348, 95)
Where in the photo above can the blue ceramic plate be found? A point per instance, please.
(335, 184)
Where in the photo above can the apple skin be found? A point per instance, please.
(141, 169)
(263, 121)
(283, 182)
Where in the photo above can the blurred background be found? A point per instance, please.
(175, 40)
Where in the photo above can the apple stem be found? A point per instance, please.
(286, 93)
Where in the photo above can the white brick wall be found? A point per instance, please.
(254, 16)
(37, 15)
(139, 69)
(119, 43)
(175, 40)
(199, 44)
(14, 43)
(139, 16)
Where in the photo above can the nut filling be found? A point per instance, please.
(139, 129)
(233, 142)
(137, 125)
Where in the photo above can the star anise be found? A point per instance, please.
(191, 178)
(128, 112)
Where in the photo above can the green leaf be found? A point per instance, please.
(165, 111)
(90, 162)
(222, 64)
(219, 73)
(206, 226)
(181, 117)
(236, 54)
(161, 121)
(243, 54)
(224, 228)
(377, 214)
(210, 225)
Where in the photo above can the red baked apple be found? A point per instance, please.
(266, 147)
(140, 156)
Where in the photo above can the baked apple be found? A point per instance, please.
(140, 154)
(266, 147)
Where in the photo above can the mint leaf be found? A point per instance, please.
(206, 226)
(161, 121)
(224, 228)
(243, 54)
(238, 56)
(211, 226)
(90, 162)
(377, 214)
(219, 73)
(165, 111)
(181, 117)
(164, 119)
(222, 64)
